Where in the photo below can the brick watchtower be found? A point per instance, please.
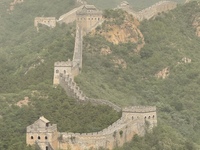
(88, 17)
(42, 134)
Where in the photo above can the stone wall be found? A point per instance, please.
(77, 57)
(148, 13)
(70, 16)
(115, 135)
(133, 121)
(48, 21)
(73, 90)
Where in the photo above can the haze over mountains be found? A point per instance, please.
(112, 71)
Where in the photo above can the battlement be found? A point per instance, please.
(63, 63)
(88, 17)
(48, 21)
(147, 13)
(119, 132)
(140, 109)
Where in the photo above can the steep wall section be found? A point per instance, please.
(77, 57)
(73, 90)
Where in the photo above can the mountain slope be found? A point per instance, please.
(26, 66)
(170, 42)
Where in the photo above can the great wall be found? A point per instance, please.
(147, 13)
(150, 12)
(135, 119)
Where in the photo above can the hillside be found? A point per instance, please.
(171, 47)
(165, 73)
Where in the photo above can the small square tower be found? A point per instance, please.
(63, 67)
(43, 134)
(88, 17)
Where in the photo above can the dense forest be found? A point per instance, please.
(27, 59)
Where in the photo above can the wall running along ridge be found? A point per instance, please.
(135, 120)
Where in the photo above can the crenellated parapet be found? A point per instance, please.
(140, 109)
(148, 13)
(116, 134)
(48, 21)
(71, 88)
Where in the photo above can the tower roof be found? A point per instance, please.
(89, 9)
(44, 119)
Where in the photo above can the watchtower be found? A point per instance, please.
(63, 67)
(145, 114)
(42, 134)
(88, 17)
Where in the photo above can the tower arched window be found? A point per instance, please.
(57, 71)
(46, 137)
(32, 137)
(38, 137)
(64, 71)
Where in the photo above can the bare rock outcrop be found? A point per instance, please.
(105, 50)
(12, 4)
(23, 102)
(119, 62)
(163, 73)
(125, 32)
